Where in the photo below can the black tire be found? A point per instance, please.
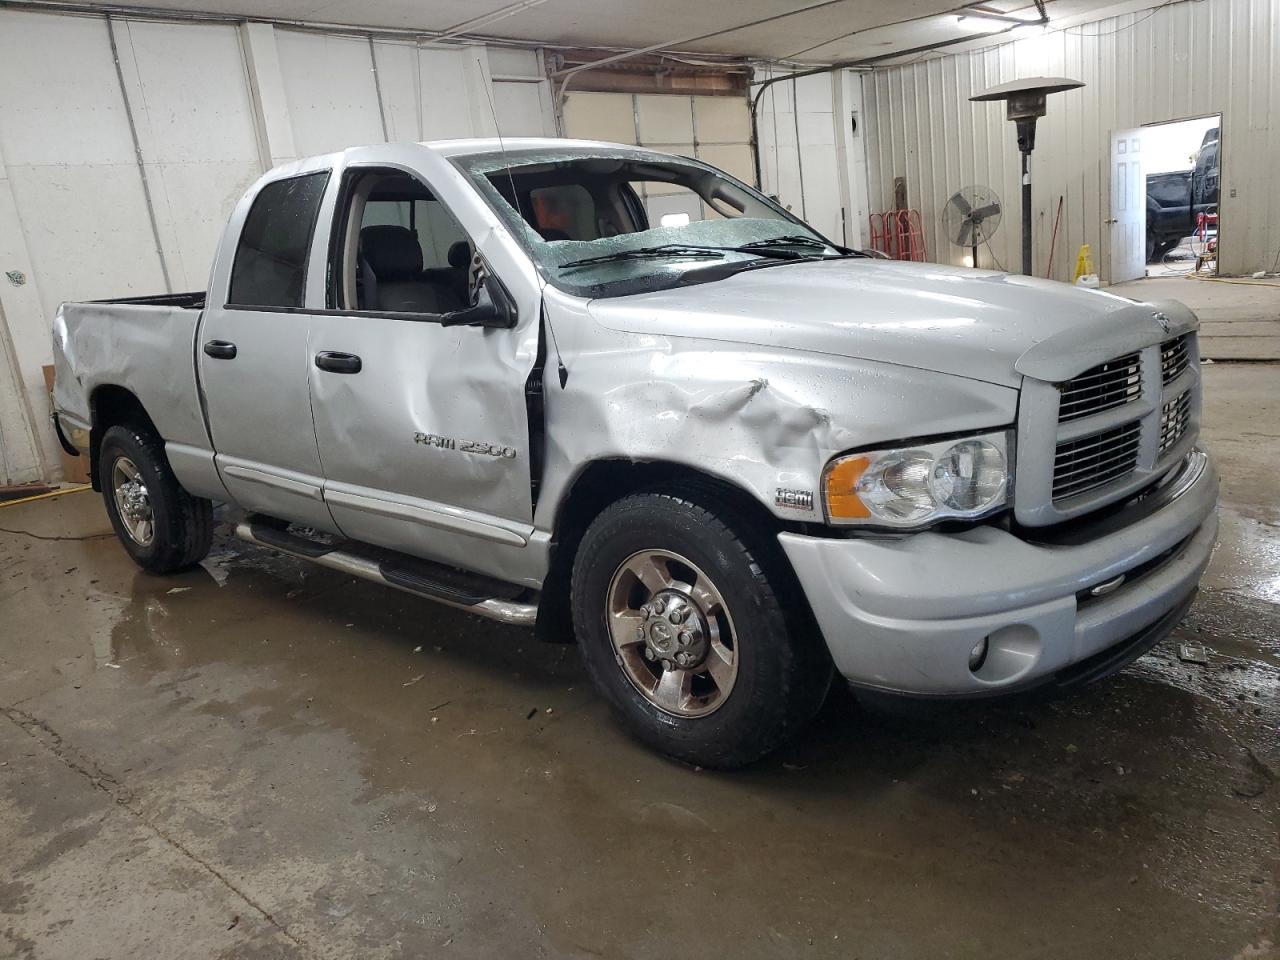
(783, 668)
(182, 525)
(1152, 244)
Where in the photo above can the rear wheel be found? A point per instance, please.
(162, 527)
(683, 628)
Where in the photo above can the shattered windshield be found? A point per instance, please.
(612, 222)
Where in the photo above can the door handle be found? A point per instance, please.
(220, 349)
(336, 362)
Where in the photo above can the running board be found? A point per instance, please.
(422, 578)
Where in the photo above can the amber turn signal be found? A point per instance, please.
(842, 485)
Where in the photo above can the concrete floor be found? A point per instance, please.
(263, 759)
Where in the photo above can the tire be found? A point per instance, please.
(763, 670)
(1151, 243)
(180, 530)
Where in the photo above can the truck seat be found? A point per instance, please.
(395, 258)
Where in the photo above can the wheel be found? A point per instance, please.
(1151, 243)
(163, 528)
(694, 631)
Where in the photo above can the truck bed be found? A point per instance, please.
(144, 346)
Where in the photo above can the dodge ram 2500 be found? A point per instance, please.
(620, 393)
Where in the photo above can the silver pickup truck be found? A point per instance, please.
(621, 395)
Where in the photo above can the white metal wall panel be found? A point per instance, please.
(521, 93)
(212, 106)
(1174, 62)
(195, 129)
(454, 101)
(64, 136)
(798, 153)
(19, 459)
(329, 88)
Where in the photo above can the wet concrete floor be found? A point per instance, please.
(261, 758)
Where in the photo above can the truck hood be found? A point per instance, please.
(970, 323)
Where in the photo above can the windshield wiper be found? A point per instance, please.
(648, 253)
(706, 251)
(788, 241)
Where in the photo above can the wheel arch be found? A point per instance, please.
(111, 405)
(604, 481)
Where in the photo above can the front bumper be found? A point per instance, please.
(905, 614)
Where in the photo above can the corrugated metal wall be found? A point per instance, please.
(1183, 60)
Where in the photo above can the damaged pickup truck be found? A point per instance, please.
(562, 382)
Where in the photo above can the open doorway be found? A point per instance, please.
(1180, 166)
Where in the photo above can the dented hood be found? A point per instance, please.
(971, 323)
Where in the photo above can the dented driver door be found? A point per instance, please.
(422, 427)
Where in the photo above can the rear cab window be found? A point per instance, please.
(270, 265)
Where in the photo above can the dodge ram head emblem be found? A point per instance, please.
(1161, 319)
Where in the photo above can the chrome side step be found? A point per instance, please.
(418, 577)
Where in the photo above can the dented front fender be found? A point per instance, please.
(765, 420)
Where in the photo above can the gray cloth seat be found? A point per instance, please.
(400, 285)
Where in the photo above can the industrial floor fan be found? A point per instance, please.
(971, 217)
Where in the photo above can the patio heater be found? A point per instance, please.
(1024, 104)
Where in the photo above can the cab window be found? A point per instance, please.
(399, 249)
(270, 265)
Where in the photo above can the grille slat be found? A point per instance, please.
(1174, 357)
(1093, 461)
(1104, 387)
(1093, 483)
(1098, 465)
(1073, 449)
(1174, 417)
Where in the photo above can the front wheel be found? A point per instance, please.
(682, 623)
(162, 527)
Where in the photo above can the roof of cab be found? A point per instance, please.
(462, 148)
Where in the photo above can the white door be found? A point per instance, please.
(1128, 221)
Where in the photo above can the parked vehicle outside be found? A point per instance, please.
(1176, 199)
(622, 396)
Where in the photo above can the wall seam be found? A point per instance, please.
(137, 150)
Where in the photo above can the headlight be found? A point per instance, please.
(918, 485)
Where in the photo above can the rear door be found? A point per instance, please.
(424, 434)
(252, 354)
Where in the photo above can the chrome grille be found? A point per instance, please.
(1173, 357)
(1096, 460)
(1108, 385)
(1087, 440)
(1174, 417)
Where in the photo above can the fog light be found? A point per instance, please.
(978, 655)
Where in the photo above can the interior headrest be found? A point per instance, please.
(392, 251)
(460, 255)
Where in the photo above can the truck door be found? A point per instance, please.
(423, 426)
(253, 356)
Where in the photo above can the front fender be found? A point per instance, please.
(766, 421)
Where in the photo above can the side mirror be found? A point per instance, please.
(493, 308)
